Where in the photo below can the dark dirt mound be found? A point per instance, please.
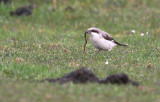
(21, 11)
(5, 1)
(84, 75)
(118, 78)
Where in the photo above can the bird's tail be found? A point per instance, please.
(120, 44)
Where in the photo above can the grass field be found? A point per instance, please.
(49, 44)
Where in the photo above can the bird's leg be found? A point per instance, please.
(107, 56)
(98, 51)
(110, 54)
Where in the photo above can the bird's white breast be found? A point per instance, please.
(100, 43)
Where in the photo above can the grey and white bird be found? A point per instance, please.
(102, 40)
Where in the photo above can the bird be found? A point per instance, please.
(101, 40)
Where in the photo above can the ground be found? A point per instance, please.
(49, 43)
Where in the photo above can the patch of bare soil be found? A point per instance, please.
(23, 11)
(83, 75)
(5, 1)
(118, 78)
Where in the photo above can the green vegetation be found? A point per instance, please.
(49, 44)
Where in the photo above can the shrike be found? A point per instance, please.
(101, 40)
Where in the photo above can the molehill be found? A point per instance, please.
(83, 75)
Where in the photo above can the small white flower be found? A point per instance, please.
(142, 34)
(147, 33)
(133, 31)
(106, 62)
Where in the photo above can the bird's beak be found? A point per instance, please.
(87, 32)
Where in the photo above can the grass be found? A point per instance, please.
(49, 44)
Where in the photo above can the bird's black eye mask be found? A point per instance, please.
(94, 31)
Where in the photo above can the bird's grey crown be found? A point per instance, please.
(93, 28)
(103, 33)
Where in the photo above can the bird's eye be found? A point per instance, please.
(95, 31)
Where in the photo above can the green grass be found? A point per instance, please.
(49, 44)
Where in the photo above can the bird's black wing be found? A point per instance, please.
(108, 37)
